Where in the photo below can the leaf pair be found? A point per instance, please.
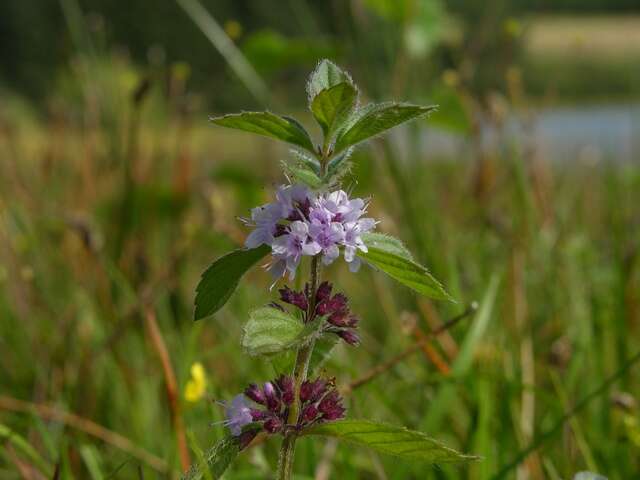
(333, 101)
(385, 253)
(381, 437)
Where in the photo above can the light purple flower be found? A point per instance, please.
(300, 222)
(292, 198)
(353, 240)
(327, 238)
(238, 414)
(342, 208)
(265, 218)
(289, 247)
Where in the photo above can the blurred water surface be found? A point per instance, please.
(560, 134)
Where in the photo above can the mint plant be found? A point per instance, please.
(312, 219)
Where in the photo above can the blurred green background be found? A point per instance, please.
(522, 193)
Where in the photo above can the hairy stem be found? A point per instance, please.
(287, 450)
(300, 371)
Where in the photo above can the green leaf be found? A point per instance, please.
(270, 330)
(390, 440)
(269, 125)
(300, 173)
(216, 460)
(389, 255)
(376, 119)
(387, 243)
(221, 279)
(332, 106)
(326, 75)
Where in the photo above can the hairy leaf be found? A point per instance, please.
(376, 119)
(267, 124)
(270, 330)
(332, 106)
(326, 75)
(387, 243)
(299, 173)
(389, 255)
(390, 440)
(216, 460)
(221, 279)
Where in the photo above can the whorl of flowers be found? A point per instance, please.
(334, 308)
(267, 408)
(301, 222)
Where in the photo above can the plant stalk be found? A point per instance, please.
(300, 371)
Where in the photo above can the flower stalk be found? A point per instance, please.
(301, 368)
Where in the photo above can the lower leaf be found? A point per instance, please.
(391, 440)
(216, 460)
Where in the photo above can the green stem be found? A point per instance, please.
(287, 450)
(301, 369)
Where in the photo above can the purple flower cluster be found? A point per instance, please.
(301, 222)
(338, 318)
(269, 409)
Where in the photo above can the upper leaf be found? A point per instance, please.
(375, 119)
(270, 330)
(220, 280)
(390, 440)
(389, 255)
(326, 75)
(217, 459)
(268, 124)
(332, 106)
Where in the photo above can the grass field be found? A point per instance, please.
(102, 245)
(114, 199)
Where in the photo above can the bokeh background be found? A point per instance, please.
(522, 193)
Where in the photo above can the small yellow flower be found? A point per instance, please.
(197, 385)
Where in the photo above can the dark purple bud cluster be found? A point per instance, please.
(275, 397)
(297, 299)
(319, 400)
(339, 319)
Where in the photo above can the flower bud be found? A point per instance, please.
(309, 413)
(292, 297)
(312, 391)
(273, 425)
(255, 394)
(333, 304)
(285, 383)
(272, 401)
(258, 415)
(339, 318)
(331, 406)
(349, 336)
(323, 292)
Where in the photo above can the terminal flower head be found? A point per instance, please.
(301, 223)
